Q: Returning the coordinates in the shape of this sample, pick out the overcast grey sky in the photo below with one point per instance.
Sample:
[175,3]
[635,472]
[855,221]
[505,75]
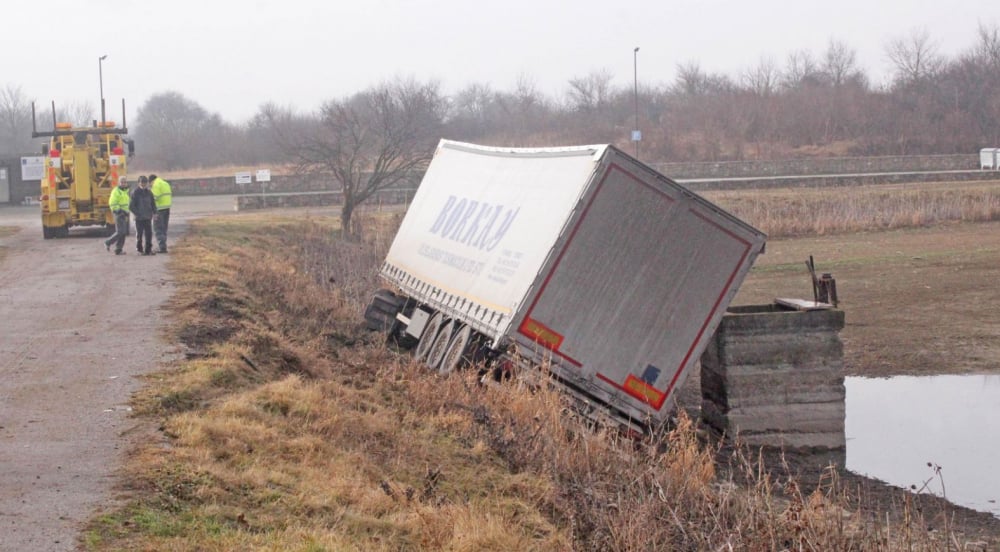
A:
[232,56]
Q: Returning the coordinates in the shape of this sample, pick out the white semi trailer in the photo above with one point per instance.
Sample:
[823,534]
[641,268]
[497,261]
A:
[579,260]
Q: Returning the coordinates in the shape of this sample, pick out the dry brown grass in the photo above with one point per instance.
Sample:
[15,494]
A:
[291,428]
[829,210]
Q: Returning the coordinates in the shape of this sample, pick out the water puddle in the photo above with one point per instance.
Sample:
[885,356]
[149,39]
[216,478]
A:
[896,426]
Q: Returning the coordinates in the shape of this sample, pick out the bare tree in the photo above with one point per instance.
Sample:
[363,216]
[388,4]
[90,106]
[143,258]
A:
[915,56]
[691,80]
[525,113]
[591,92]
[762,79]
[987,49]
[474,111]
[15,120]
[527,93]
[371,141]
[840,63]
[177,132]
[800,69]
[78,113]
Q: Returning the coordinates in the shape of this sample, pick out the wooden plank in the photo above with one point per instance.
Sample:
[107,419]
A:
[802,304]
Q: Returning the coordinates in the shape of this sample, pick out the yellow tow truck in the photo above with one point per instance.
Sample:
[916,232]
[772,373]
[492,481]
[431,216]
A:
[82,165]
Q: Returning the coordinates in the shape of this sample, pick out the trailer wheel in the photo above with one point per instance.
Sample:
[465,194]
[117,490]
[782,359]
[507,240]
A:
[381,312]
[427,338]
[457,353]
[46,232]
[440,345]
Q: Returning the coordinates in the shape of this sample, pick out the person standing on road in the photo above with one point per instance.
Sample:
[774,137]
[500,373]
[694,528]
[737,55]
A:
[143,207]
[118,202]
[163,199]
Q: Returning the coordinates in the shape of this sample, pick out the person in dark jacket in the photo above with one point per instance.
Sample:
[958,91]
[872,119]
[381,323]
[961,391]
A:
[143,207]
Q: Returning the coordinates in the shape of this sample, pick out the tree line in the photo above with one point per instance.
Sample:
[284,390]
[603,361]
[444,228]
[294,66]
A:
[810,104]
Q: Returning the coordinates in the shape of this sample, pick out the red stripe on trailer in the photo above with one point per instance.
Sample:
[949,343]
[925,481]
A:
[715,307]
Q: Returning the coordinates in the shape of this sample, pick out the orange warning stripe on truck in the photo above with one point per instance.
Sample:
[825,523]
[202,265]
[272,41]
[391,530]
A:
[643,391]
[541,333]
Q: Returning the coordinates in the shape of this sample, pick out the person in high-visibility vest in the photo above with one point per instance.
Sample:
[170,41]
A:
[118,202]
[163,199]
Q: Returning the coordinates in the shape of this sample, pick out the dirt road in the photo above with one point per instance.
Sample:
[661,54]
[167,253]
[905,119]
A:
[78,325]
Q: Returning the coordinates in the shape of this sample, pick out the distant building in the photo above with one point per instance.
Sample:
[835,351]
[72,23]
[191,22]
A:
[20,177]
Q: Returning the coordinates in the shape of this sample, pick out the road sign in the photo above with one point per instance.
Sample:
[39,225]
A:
[32,168]
[264,175]
[243,178]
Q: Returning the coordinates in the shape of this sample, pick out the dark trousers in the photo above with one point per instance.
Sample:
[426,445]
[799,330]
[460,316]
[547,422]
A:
[121,230]
[144,227]
[160,227]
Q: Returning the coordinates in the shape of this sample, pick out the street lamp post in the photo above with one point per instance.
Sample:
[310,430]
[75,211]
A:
[100,75]
[636,134]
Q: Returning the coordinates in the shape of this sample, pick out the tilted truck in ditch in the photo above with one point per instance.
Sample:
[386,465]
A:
[82,165]
[580,261]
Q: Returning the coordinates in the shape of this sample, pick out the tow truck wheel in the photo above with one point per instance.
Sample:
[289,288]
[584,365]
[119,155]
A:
[440,345]
[427,338]
[457,352]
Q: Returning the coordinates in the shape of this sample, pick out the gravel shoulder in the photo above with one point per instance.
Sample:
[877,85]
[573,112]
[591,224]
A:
[79,327]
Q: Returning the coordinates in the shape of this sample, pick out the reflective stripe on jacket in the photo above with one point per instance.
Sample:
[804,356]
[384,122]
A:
[161,193]
[119,200]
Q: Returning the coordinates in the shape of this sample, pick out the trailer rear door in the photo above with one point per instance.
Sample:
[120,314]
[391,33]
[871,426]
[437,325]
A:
[640,284]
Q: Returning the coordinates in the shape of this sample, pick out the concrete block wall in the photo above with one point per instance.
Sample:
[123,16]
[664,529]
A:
[760,183]
[258,201]
[817,166]
[247,202]
[227,185]
[775,377]
[279,184]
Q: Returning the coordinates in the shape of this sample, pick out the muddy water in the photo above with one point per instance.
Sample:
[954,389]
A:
[896,426]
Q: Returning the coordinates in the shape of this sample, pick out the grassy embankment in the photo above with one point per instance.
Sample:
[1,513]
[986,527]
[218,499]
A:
[290,428]
[786,212]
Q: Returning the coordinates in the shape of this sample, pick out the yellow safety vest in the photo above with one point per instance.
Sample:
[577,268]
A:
[119,200]
[161,193]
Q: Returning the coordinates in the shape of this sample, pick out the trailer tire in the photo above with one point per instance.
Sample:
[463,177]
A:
[46,233]
[381,312]
[440,345]
[457,354]
[427,338]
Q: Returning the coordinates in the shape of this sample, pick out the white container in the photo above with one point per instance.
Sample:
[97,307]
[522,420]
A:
[580,258]
[989,158]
